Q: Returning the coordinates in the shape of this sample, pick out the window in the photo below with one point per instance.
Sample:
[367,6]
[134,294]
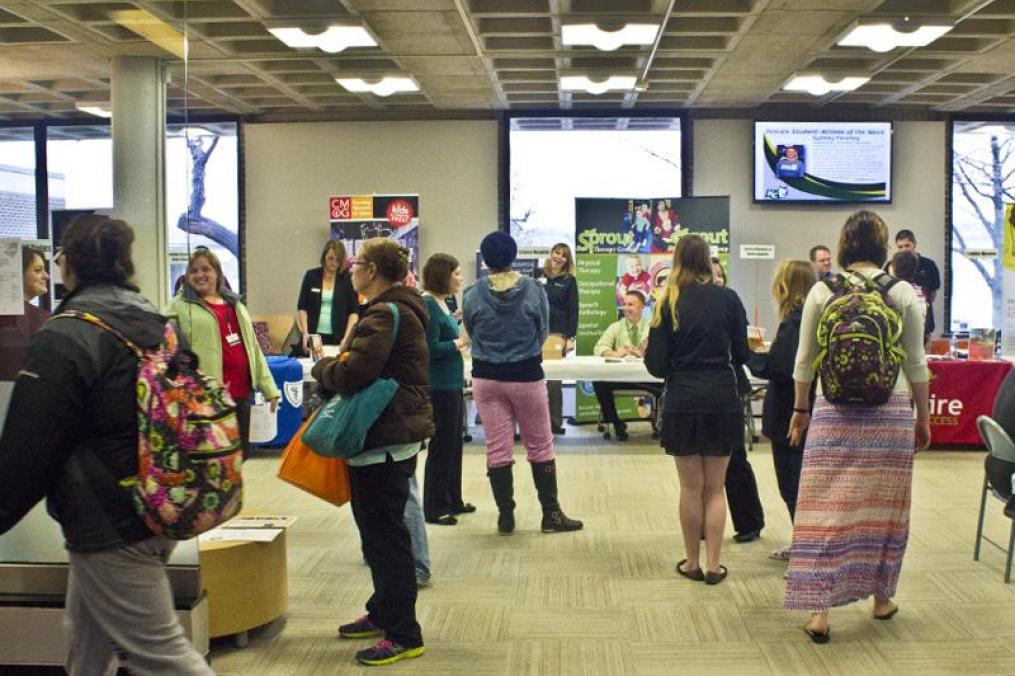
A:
[202,196]
[80,163]
[553,160]
[983,180]
[17,183]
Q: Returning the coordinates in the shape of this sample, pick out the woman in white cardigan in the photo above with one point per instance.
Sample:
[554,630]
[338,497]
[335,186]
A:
[852,518]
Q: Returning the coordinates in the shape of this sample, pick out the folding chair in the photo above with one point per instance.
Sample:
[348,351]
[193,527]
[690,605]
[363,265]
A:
[999,445]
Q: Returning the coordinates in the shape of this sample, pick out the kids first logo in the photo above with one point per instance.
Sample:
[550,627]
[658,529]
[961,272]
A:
[398,211]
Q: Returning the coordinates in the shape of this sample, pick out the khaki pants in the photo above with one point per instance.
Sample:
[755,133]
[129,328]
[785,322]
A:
[120,608]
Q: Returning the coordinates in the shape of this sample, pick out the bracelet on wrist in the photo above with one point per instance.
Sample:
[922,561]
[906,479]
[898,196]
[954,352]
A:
[802,410]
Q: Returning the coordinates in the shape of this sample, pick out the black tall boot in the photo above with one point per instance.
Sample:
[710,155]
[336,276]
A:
[502,483]
[544,475]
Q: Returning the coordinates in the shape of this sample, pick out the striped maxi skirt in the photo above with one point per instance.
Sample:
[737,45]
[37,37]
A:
[852,515]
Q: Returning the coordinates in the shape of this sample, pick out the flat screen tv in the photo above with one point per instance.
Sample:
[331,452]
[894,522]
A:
[822,162]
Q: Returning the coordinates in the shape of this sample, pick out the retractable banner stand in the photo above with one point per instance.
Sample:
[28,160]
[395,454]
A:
[357,218]
[626,245]
[1008,284]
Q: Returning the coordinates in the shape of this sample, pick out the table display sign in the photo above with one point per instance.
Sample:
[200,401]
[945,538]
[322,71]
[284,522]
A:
[12,300]
[357,218]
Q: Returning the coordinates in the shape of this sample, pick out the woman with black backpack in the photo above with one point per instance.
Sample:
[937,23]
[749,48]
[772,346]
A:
[865,330]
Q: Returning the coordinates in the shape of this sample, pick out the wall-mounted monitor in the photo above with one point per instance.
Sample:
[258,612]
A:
[822,162]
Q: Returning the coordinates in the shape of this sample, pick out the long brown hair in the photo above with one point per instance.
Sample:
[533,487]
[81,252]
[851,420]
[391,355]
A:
[792,282]
[864,238]
[692,264]
[568,268]
[338,247]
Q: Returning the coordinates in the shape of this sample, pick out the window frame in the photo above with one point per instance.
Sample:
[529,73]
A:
[40,128]
[504,146]
[949,274]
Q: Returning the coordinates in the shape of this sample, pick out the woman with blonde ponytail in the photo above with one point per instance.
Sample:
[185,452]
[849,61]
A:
[699,331]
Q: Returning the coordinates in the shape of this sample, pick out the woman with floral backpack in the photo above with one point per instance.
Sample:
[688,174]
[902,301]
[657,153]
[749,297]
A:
[71,435]
[862,332]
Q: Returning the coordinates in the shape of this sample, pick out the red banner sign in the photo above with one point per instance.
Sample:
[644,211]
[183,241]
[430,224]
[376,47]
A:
[960,392]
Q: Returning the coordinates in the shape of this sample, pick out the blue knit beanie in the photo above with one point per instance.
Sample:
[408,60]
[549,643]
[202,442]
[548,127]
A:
[498,250]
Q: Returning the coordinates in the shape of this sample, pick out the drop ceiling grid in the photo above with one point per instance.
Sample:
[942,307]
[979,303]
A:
[712,54]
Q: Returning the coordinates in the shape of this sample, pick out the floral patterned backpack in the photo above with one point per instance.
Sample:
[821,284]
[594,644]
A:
[189,456]
[859,333]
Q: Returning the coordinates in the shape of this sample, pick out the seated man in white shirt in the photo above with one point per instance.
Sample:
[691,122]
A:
[625,337]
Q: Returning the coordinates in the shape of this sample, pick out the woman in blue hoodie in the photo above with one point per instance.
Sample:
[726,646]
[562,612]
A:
[507,316]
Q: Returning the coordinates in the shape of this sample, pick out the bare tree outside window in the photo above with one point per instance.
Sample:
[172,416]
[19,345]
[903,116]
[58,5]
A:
[983,181]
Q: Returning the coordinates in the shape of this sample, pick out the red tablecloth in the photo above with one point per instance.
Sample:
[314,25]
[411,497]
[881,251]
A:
[960,391]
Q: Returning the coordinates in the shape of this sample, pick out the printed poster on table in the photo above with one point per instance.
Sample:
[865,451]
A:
[626,245]
[357,218]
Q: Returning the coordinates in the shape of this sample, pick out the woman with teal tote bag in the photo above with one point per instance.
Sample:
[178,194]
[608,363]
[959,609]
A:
[381,349]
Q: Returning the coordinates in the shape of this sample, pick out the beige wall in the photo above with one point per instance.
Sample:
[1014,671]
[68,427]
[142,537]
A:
[723,166]
[292,169]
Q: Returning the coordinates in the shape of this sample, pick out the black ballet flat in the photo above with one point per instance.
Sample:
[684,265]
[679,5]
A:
[716,577]
[466,508]
[443,520]
[698,575]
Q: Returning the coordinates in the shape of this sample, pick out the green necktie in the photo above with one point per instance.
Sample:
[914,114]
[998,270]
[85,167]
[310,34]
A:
[633,333]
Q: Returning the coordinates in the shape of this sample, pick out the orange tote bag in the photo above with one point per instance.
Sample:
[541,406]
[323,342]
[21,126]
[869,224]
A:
[325,478]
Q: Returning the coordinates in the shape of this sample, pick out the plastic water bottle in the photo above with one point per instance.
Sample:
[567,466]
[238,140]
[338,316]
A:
[953,345]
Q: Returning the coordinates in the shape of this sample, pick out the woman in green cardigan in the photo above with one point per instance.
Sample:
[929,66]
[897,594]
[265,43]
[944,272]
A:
[442,478]
[221,334]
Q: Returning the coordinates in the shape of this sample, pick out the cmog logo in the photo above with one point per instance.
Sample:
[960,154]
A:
[945,411]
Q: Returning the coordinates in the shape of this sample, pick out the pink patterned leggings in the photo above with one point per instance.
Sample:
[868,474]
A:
[501,405]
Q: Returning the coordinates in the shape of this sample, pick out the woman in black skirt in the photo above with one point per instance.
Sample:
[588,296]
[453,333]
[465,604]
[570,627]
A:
[699,330]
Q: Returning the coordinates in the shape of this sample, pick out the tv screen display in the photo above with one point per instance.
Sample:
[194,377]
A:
[822,162]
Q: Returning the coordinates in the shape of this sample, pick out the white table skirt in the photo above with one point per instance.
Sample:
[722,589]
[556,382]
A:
[572,368]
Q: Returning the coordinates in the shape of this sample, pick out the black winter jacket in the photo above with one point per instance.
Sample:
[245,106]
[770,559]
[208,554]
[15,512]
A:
[71,429]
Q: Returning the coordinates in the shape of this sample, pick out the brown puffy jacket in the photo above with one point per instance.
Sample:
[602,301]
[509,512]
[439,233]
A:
[371,355]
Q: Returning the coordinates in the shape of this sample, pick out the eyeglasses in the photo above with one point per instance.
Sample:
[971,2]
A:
[362,262]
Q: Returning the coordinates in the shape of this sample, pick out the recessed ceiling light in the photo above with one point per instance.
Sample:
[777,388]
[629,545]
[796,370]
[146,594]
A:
[332,39]
[385,87]
[93,108]
[579,83]
[886,36]
[817,85]
[582,34]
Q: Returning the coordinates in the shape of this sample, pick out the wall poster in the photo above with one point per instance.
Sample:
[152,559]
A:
[357,218]
[627,244]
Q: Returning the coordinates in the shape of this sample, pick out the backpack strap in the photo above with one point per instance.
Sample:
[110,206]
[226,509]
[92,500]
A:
[885,281]
[96,321]
[396,323]
[835,282]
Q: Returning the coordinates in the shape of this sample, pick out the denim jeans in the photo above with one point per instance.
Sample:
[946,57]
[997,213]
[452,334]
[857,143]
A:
[417,531]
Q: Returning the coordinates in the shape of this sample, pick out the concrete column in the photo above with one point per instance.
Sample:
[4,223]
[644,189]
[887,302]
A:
[139,182]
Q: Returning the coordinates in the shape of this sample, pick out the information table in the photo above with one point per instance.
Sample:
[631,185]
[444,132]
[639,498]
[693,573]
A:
[572,368]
